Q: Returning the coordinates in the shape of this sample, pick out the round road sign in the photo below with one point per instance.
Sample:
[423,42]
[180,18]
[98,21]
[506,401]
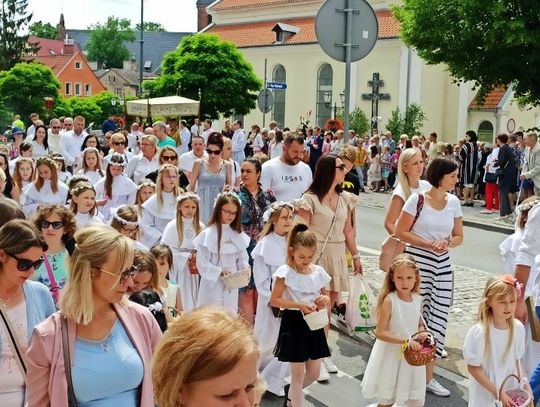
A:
[265,100]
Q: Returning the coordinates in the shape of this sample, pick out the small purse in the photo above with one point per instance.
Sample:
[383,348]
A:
[192,263]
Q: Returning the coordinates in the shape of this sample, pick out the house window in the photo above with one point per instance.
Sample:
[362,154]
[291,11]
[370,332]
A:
[88,89]
[68,88]
[486,131]
[324,83]
[78,89]
[78,65]
[112,78]
[278,110]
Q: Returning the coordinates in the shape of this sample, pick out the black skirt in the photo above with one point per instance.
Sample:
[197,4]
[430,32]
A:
[296,342]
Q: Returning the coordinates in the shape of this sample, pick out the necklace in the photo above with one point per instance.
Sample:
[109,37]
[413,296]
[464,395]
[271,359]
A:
[9,299]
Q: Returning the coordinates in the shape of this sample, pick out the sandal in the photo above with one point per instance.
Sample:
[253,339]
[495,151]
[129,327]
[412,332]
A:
[287,399]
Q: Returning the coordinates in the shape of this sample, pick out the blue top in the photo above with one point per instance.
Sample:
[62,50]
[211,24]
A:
[168,141]
[108,372]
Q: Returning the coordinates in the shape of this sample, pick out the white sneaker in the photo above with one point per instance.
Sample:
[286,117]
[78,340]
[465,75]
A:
[436,388]
[323,374]
[444,354]
[329,365]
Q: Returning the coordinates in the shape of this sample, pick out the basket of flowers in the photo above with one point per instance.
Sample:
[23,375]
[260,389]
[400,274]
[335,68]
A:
[516,390]
[426,353]
[234,281]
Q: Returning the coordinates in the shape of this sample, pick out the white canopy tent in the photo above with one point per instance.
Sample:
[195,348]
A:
[164,106]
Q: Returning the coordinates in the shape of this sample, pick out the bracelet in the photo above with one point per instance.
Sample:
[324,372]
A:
[356,256]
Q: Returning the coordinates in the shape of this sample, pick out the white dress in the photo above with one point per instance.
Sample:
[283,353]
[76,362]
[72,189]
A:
[84,219]
[188,283]
[232,257]
[31,197]
[388,377]
[93,176]
[155,217]
[124,192]
[269,253]
[494,364]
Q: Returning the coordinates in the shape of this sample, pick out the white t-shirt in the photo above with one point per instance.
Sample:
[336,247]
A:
[188,159]
[433,224]
[423,187]
[288,182]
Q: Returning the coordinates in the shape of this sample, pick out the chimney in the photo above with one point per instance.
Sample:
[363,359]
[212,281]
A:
[203,18]
[61,28]
[69,47]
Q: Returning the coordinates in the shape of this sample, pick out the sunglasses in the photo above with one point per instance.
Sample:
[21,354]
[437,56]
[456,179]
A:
[169,158]
[56,127]
[124,275]
[25,264]
[121,143]
[45,224]
[215,152]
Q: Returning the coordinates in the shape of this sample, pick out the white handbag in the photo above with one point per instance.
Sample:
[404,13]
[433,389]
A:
[317,319]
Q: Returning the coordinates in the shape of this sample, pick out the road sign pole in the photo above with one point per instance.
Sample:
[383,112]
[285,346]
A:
[348,45]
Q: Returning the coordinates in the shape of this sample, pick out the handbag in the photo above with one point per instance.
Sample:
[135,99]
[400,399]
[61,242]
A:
[192,262]
[534,322]
[72,400]
[14,343]
[492,177]
[392,246]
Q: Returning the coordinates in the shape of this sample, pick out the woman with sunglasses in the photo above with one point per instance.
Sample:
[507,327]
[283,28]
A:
[110,340]
[210,175]
[169,155]
[23,302]
[119,146]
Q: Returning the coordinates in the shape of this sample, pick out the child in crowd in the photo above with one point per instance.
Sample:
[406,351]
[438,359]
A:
[270,253]
[145,190]
[386,167]
[46,189]
[57,225]
[23,174]
[221,251]
[297,290]
[388,377]
[150,299]
[159,209]
[126,220]
[178,235]
[147,277]
[63,174]
[494,346]
[374,171]
[83,204]
[164,260]
[91,165]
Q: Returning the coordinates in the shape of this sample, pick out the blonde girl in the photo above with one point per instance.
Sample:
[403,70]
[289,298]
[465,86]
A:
[145,190]
[270,253]
[221,250]
[389,378]
[179,235]
[159,209]
[114,190]
[83,204]
[494,346]
[23,174]
[297,290]
[46,189]
[164,260]
[91,165]
[125,219]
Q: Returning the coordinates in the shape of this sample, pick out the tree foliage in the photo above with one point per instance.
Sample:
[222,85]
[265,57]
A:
[409,123]
[24,86]
[150,26]
[358,121]
[94,108]
[490,42]
[227,82]
[47,30]
[14,18]
[106,42]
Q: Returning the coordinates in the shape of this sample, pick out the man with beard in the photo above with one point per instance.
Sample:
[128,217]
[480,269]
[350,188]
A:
[287,176]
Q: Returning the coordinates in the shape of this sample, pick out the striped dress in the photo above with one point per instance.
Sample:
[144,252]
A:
[468,163]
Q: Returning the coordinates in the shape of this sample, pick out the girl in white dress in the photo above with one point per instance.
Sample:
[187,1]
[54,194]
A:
[46,189]
[270,253]
[63,175]
[178,235]
[83,204]
[91,165]
[164,260]
[114,190]
[159,209]
[125,220]
[494,346]
[221,250]
[389,378]
[23,174]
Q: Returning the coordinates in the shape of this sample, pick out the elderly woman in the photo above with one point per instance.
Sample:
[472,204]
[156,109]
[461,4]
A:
[147,160]
[23,304]
[119,146]
[207,358]
[107,341]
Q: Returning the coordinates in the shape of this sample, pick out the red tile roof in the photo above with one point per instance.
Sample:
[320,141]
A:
[232,4]
[259,34]
[49,47]
[56,63]
[493,99]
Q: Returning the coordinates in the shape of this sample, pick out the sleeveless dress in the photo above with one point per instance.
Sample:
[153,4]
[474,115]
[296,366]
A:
[210,185]
[403,384]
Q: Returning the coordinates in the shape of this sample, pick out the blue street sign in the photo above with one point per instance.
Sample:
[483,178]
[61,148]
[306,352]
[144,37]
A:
[276,85]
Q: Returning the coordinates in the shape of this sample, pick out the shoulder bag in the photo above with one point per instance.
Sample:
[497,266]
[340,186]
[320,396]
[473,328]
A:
[13,342]
[55,290]
[392,246]
[72,400]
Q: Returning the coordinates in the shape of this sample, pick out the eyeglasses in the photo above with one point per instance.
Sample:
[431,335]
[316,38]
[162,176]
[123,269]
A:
[121,143]
[45,224]
[124,275]
[342,167]
[25,264]
[169,157]
[215,152]
[226,212]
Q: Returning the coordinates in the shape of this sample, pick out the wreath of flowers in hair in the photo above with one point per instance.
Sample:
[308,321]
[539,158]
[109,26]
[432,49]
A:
[115,160]
[86,186]
[276,206]
[46,160]
[88,149]
[527,206]
[144,184]
[188,195]
[230,193]
[122,220]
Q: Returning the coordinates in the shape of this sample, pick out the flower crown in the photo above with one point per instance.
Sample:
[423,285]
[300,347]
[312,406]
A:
[146,183]
[83,186]
[89,149]
[118,160]
[156,307]
[188,195]
[276,206]
[121,220]
[46,160]
[230,193]
[527,206]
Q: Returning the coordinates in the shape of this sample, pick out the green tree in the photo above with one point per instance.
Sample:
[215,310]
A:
[358,121]
[106,42]
[13,20]
[24,86]
[85,107]
[410,123]
[227,82]
[490,42]
[150,26]
[38,29]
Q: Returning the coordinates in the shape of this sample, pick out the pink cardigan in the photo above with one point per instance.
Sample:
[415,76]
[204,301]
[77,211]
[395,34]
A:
[46,384]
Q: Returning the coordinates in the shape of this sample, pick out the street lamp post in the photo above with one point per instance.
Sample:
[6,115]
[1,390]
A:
[141,67]
[49,102]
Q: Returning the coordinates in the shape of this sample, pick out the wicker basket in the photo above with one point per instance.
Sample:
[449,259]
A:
[415,358]
[317,319]
[515,390]
[234,281]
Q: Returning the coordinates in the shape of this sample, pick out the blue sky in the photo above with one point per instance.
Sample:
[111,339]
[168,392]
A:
[174,15]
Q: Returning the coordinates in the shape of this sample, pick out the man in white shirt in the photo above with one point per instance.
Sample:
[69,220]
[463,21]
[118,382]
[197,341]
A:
[196,129]
[185,136]
[239,141]
[32,128]
[72,141]
[287,175]
[67,124]
[188,159]
[207,129]
[54,136]
[133,138]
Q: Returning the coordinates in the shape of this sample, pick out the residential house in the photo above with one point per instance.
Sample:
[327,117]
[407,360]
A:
[123,82]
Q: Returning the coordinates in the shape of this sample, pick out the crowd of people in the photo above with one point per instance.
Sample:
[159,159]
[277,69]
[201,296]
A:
[178,265]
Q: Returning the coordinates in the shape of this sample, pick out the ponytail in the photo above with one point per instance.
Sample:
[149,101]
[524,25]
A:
[300,235]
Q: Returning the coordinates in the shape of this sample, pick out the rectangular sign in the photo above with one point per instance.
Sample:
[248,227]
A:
[276,85]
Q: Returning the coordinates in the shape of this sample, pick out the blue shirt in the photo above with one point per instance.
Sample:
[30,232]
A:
[168,141]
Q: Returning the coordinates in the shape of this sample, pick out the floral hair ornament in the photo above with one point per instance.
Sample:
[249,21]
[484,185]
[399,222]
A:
[156,307]
[45,160]
[121,220]
[82,187]
[527,206]
[188,195]
[117,160]
[91,149]
[511,280]
[276,206]
[146,183]
[230,193]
